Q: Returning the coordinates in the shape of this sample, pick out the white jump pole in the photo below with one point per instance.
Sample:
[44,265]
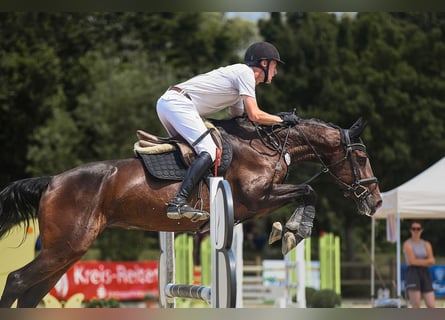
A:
[223,290]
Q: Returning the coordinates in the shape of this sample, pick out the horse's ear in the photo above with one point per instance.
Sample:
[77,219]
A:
[357,128]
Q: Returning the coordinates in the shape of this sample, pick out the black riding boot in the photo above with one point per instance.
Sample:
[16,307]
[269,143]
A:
[178,206]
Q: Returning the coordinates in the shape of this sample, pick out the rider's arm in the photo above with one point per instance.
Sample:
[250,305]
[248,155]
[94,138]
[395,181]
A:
[411,259]
[430,256]
[257,115]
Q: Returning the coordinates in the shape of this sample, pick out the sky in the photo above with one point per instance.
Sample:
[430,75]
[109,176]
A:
[253,16]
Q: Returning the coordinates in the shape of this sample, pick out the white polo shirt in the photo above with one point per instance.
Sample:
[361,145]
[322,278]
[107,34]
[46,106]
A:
[220,88]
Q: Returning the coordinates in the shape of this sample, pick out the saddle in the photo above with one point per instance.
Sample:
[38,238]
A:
[168,158]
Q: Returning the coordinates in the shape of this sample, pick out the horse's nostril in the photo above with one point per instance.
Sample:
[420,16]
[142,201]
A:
[379,204]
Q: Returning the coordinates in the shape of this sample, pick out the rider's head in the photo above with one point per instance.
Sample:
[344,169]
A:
[260,54]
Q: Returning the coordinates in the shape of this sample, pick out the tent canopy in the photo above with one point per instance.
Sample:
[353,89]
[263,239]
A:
[422,197]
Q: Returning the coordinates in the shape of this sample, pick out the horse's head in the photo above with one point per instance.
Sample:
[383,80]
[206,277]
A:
[357,176]
[342,154]
[349,164]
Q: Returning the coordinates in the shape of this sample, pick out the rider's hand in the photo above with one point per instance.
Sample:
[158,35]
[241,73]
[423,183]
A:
[289,118]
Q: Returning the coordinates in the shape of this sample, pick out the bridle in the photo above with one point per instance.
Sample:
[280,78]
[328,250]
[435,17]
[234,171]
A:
[357,188]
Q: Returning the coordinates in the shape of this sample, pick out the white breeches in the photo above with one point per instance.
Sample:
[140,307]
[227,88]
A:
[178,115]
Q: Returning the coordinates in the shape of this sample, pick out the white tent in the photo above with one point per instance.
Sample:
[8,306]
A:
[422,197]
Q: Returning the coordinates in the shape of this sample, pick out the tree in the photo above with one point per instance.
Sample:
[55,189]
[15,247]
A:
[122,101]
[29,86]
[47,63]
[55,145]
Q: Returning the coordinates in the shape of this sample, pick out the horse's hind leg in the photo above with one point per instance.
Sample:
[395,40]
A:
[60,249]
[10,293]
[19,281]
[34,274]
[35,294]
[30,284]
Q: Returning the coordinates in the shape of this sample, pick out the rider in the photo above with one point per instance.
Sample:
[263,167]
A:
[180,109]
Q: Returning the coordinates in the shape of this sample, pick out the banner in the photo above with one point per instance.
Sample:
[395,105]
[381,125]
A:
[105,280]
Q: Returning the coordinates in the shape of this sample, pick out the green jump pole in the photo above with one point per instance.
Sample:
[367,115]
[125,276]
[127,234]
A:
[307,258]
[337,265]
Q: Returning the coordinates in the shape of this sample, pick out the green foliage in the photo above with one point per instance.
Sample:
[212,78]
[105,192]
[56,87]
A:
[55,146]
[102,303]
[120,245]
[75,87]
[29,85]
[122,101]
[103,72]
[309,293]
[324,298]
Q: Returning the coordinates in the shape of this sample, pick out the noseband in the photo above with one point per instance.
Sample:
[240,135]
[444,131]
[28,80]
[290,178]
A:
[357,188]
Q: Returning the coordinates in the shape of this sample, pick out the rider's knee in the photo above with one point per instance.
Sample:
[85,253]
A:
[210,149]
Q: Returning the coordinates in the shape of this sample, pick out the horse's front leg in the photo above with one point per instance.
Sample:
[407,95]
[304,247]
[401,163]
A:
[282,194]
[299,226]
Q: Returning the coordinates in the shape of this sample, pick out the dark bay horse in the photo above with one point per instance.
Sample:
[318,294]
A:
[75,206]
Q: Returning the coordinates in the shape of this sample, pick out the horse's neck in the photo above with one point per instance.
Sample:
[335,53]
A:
[318,138]
[239,127]
[323,138]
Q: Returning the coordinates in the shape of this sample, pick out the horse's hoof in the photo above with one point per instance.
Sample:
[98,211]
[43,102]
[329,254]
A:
[294,221]
[307,222]
[276,233]
[289,242]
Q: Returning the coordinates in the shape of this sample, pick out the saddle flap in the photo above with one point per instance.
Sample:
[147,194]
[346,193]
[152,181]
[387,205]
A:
[145,136]
[187,153]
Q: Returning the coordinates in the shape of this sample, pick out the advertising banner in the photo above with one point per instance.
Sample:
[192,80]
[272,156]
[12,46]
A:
[105,280]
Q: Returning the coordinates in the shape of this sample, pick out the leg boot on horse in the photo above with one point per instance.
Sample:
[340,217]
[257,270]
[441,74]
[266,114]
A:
[178,206]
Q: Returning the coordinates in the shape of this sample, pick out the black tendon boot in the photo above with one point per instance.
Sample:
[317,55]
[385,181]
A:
[178,206]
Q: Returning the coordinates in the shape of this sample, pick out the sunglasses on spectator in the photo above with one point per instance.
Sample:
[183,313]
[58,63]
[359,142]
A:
[416,228]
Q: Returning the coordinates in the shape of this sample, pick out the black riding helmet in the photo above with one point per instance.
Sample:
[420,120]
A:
[261,51]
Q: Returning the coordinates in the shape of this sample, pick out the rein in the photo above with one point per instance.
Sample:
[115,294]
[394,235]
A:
[273,144]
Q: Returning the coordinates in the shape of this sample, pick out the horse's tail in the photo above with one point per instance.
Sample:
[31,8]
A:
[19,201]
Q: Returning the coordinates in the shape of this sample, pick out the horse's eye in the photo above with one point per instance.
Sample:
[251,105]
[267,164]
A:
[362,161]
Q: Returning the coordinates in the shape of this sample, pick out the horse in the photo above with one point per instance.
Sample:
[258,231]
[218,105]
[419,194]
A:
[75,206]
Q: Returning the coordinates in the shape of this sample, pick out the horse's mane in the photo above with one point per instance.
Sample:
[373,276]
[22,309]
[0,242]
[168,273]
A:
[238,126]
[241,126]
